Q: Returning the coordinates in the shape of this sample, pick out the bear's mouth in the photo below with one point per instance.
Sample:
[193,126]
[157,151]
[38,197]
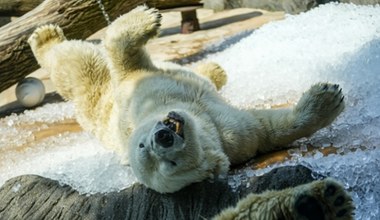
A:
[175,123]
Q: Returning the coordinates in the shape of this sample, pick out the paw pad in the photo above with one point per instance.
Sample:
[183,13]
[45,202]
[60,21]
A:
[330,190]
[338,201]
[45,34]
[132,30]
[319,106]
[309,207]
[324,200]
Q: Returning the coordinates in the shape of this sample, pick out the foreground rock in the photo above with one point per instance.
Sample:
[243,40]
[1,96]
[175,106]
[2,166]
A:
[34,197]
[289,6]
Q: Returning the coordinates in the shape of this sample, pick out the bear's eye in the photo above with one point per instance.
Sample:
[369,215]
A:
[141,145]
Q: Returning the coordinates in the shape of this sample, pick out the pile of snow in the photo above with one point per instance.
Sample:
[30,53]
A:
[76,159]
[339,43]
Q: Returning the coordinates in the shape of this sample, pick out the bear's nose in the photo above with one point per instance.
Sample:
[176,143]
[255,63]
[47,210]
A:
[164,138]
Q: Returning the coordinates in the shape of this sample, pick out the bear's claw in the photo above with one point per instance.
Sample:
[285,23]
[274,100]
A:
[45,35]
[319,106]
[135,27]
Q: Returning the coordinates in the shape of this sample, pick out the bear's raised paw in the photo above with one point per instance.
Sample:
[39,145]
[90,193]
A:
[323,200]
[135,27]
[45,35]
[319,106]
[319,200]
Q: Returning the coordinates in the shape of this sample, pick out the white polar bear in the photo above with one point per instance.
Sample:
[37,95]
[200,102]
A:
[171,125]
[168,123]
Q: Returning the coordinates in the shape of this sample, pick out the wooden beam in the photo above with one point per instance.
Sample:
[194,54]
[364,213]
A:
[17,7]
[21,7]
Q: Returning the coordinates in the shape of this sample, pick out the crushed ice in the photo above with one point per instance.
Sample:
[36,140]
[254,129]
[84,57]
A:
[76,158]
[339,43]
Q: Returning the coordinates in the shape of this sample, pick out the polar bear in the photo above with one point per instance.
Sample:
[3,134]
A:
[171,125]
[167,122]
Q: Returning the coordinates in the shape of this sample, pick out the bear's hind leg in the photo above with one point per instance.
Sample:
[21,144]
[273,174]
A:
[77,68]
[319,200]
[317,108]
[214,72]
[126,37]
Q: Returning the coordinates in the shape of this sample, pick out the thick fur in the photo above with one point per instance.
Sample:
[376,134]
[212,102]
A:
[319,200]
[121,96]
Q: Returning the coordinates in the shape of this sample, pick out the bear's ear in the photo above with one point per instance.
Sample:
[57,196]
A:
[217,163]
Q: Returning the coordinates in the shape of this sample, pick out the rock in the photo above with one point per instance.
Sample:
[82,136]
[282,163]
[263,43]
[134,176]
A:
[280,178]
[289,6]
[298,6]
[34,197]
[361,2]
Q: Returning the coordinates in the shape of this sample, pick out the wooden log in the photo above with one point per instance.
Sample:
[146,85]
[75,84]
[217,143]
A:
[167,4]
[189,22]
[75,17]
[290,6]
[21,7]
[34,197]
[78,19]
[17,7]
[4,20]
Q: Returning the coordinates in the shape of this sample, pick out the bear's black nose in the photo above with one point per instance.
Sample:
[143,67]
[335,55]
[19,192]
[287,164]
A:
[164,137]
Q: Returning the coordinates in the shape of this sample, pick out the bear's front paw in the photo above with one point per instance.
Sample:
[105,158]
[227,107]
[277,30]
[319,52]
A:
[323,200]
[319,106]
[135,27]
[44,35]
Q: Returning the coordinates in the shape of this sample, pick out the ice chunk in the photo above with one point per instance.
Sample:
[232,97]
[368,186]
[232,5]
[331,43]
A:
[96,173]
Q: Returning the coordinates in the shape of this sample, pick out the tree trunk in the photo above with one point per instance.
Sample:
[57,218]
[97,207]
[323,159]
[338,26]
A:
[4,20]
[78,19]
[33,197]
[21,7]
[290,6]
[167,4]
[17,7]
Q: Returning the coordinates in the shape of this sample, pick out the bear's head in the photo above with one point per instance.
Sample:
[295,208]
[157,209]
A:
[169,154]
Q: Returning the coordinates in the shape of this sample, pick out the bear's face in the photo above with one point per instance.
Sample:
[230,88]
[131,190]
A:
[168,154]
